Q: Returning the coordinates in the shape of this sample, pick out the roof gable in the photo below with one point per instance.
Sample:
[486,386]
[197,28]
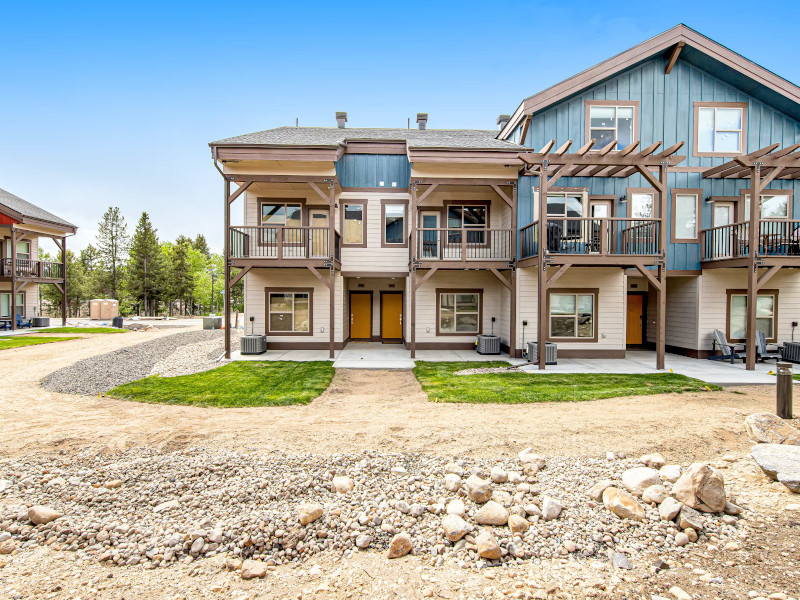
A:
[697,49]
[23,211]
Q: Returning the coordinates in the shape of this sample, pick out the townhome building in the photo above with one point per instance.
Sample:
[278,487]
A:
[610,211]
[22,225]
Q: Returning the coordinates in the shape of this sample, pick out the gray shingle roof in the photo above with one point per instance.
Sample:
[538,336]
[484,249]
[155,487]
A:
[467,139]
[26,209]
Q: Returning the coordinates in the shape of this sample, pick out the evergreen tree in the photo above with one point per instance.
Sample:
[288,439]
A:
[145,271]
[76,285]
[92,272]
[112,246]
[201,245]
[181,271]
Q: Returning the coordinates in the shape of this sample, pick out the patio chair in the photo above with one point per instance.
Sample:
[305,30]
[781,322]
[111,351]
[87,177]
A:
[762,350]
[729,351]
[5,325]
[22,323]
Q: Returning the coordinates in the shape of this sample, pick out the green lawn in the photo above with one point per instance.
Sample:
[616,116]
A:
[20,341]
[441,385]
[81,330]
[235,384]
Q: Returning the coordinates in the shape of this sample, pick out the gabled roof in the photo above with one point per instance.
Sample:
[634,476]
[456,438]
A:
[25,212]
[459,139]
[697,49]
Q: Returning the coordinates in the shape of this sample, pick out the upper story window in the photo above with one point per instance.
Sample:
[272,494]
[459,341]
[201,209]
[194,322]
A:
[394,223]
[609,120]
[641,203]
[566,205]
[719,128]
[467,216]
[775,204]
[281,214]
[354,218]
[685,215]
[23,250]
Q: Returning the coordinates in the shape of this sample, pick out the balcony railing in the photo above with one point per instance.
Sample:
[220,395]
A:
[591,235]
[34,269]
[467,244]
[776,237]
[279,243]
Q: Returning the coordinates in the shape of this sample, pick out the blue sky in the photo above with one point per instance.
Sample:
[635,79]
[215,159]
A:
[115,103]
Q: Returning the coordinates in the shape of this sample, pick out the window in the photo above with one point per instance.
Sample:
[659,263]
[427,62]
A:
[459,312]
[685,215]
[394,223]
[471,216]
[289,312]
[766,314]
[572,315]
[719,128]
[23,250]
[354,216]
[773,206]
[607,121]
[279,213]
[566,205]
[5,305]
[641,203]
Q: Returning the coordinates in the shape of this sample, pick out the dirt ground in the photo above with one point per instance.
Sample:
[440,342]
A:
[387,410]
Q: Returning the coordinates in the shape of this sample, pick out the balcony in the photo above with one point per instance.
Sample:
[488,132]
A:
[32,269]
[303,245]
[778,240]
[593,240]
[463,246]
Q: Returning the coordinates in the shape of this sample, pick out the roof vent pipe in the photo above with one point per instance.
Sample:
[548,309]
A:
[422,120]
[341,119]
[502,121]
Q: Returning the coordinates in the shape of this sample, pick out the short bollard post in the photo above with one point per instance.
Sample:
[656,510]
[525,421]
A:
[785,382]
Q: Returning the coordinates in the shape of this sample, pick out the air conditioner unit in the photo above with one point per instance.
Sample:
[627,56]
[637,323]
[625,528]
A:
[254,344]
[791,352]
[488,344]
[550,349]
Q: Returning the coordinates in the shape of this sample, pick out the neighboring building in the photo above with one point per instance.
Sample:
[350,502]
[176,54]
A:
[429,237]
[21,272]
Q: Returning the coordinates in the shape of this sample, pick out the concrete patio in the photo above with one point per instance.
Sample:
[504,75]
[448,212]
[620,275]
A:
[374,355]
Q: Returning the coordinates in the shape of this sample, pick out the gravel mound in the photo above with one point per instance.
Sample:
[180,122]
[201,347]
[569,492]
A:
[155,508]
[103,372]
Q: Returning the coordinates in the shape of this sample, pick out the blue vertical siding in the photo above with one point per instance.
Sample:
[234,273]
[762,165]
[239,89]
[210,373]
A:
[368,170]
[666,113]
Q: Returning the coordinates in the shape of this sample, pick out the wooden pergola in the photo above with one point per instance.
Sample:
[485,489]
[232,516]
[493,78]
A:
[550,165]
[761,167]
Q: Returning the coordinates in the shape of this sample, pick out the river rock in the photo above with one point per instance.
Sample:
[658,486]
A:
[518,524]
[702,487]
[452,482]
[620,561]
[454,527]
[456,507]
[638,479]
[399,546]
[654,461]
[341,484]
[165,506]
[491,513]
[498,475]
[669,508]
[689,518]
[488,546]
[655,494]
[670,473]
[253,569]
[526,456]
[7,546]
[551,509]
[309,512]
[39,515]
[681,539]
[623,504]
[771,429]
[479,490]
[452,468]
[780,462]
[363,541]
[596,491]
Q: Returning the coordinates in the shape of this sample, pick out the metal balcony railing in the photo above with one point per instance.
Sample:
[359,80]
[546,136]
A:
[607,236]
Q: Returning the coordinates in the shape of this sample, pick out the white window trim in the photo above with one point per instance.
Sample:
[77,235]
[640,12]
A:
[741,106]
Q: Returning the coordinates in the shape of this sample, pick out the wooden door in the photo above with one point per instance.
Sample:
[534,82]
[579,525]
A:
[319,238]
[634,330]
[360,315]
[598,234]
[392,317]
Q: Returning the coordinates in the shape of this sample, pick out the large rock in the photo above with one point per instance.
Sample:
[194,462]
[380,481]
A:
[309,512]
[551,509]
[638,479]
[669,508]
[780,462]
[399,546]
[498,474]
[771,429]
[491,513]
[456,507]
[488,546]
[655,494]
[688,518]
[623,504]
[479,490]
[452,482]
[454,527]
[253,569]
[701,487]
[518,524]
[39,515]
[670,473]
[596,491]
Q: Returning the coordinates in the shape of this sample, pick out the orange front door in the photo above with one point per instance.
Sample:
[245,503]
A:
[392,317]
[634,330]
[360,316]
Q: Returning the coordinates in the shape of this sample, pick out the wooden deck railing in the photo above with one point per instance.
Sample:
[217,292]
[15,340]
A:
[33,269]
[776,237]
[590,235]
[279,243]
[467,244]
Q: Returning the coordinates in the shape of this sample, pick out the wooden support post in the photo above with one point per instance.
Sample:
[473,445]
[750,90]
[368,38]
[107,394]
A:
[331,253]
[541,328]
[752,270]
[512,340]
[412,258]
[227,257]
[64,286]
[13,314]
[661,296]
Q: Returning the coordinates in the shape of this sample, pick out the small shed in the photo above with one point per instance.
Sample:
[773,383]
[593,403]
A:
[103,309]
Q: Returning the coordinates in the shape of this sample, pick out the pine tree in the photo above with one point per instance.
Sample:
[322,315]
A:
[181,270]
[112,247]
[201,245]
[145,277]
